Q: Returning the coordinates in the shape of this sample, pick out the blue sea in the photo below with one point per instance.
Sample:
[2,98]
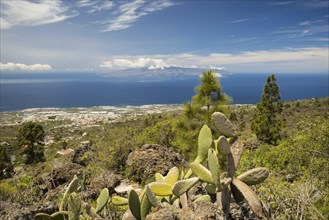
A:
[62,90]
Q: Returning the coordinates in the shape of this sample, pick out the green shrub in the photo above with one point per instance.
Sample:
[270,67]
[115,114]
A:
[302,159]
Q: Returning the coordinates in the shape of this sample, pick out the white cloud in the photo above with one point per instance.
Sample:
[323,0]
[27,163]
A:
[27,13]
[141,62]
[288,60]
[281,3]
[123,14]
[239,20]
[307,23]
[95,5]
[86,3]
[129,13]
[309,28]
[23,67]
[104,6]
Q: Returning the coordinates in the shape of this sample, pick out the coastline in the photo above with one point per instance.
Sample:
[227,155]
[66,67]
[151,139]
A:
[83,116]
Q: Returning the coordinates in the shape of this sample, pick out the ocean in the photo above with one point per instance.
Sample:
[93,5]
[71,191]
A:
[63,90]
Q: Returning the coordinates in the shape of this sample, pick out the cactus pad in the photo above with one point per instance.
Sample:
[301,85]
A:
[74,206]
[134,204]
[237,195]
[250,196]
[102,200]
[183,186]
[119,201]
[145,206]
[223,200]
[172,176]
[159,177]
[213,165]
[204,143]
[152,198]
[223,146]
[254,176]
[223,125]
[233,159]
[161,189]
[202,198]
[200,171]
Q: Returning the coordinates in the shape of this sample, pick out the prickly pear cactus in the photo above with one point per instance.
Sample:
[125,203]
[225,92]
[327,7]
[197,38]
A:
[219,184]
[173,188]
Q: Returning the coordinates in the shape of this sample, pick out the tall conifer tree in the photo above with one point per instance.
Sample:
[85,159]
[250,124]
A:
[267,123]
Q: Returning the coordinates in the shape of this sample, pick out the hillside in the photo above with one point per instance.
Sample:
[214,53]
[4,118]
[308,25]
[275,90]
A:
[108,154]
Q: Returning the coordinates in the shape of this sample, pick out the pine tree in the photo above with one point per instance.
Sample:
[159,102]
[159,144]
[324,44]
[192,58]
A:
[209,97]
[31,135]
[267,124]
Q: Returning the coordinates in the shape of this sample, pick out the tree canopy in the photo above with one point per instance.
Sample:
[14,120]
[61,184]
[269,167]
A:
[209,97]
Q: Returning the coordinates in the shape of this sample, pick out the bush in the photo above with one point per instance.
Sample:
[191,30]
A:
[301,200]
[303,160]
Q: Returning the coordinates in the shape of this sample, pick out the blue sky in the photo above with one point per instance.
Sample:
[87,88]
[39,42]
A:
[109,36]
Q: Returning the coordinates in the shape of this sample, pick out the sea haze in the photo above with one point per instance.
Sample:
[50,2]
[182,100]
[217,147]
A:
[22,91]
